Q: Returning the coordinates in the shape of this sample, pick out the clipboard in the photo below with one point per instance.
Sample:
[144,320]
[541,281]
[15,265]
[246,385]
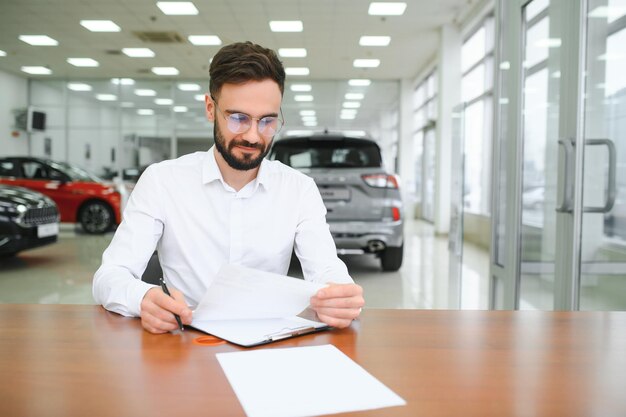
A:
[255,332]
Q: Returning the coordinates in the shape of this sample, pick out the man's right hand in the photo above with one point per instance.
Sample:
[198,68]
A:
[158,309]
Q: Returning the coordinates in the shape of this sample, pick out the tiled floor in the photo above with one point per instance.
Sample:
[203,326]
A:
[62,273]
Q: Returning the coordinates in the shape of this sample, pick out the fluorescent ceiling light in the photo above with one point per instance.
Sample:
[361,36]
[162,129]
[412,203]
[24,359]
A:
[189,87]
[307,112]
[292,52]
[548,43]
[310,124]
[615,56]
[79,87]
[123,81]
[164,101]
[303,97]
[38,40]
[354,133]
[386,9]
[301,88]
[106,97]
[374,40]
[145,112]
[138,52]
[297,71]
[347,116]
[165,71]
[36,70]
[2,53]
[608,12]
[354,96]
[177,8]
[127,104]
[351,104]
[204,40]
[199,97]
[145,92]
[180,109]
[309,119]
[100,25]
[366,63]
[83,62]
[354,111]
[359,82]
[505,65]
[286,26]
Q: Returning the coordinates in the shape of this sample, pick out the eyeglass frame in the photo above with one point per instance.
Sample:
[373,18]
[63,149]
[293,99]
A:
[280,118]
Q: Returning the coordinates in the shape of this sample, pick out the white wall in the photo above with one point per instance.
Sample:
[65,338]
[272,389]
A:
[14,96]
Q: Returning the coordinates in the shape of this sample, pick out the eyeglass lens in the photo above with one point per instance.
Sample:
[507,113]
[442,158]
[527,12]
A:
[240,123]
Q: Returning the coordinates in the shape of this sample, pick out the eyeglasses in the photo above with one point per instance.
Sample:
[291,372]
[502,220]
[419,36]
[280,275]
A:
[241,122]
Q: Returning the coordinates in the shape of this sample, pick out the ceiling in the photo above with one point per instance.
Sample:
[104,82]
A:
[332,29]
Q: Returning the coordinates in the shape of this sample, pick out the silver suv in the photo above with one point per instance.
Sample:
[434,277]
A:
[362,199]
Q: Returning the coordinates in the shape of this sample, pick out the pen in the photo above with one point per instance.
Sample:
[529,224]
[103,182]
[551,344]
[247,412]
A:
[176,316]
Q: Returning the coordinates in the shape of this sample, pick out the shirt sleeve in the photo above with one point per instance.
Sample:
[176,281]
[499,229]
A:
[314,244]
[117,284]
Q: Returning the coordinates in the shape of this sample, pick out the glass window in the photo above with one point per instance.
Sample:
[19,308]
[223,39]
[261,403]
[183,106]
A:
[474,134]
[6,169]
[616,66]
[537,45]
[473,84]
[473,50]
[535,7]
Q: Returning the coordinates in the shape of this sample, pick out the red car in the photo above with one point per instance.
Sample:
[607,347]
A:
[80,196]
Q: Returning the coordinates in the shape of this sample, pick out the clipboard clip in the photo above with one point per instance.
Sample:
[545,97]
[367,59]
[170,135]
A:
[287,333]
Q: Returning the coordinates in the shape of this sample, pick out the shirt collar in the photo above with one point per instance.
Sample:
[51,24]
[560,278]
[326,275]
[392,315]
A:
[211,172]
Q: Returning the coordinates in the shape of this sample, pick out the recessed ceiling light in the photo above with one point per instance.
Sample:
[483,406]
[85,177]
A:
[138,52]
[351,104]
[106,97]
[292,52]
[386,9]
[307,112]
[123,81]
[548,43]
[165,71]
[310,124]
[303,97]
[164,101]
[38,40]
[354,96]
[145,92]
[189,87]
[177,8]
[145,112]
[199,97]
[300,87]
[297,71]
[359,82]
[100,25]
[37,70]
[204,40]
[309,119]
[180,109]
[2,53]
[374,40]
[79,87]
[366,63]
[286,26]
[83,62]
[347,116]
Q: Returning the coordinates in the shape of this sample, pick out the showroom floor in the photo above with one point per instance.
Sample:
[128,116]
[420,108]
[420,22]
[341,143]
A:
[62,273]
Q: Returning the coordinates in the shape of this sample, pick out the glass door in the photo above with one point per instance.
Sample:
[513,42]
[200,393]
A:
[538,192]
[603,232]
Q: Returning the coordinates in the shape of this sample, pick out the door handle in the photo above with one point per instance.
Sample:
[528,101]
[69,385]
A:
[612,190]
[566,205]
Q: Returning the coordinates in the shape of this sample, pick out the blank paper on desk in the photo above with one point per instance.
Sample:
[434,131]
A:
[303,381]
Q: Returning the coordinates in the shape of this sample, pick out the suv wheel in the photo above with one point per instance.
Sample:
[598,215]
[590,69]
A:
[96,217]
[391,258]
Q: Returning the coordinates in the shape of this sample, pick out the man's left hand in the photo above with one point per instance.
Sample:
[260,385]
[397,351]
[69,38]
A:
[338,304]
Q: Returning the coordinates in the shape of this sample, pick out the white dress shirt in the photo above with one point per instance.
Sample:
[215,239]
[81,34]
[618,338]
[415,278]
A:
[197,222]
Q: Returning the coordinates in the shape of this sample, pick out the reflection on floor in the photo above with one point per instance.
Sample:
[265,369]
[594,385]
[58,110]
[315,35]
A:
[62,273]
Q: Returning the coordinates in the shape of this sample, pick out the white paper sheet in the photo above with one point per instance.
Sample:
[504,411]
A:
[245,293]
[303,382]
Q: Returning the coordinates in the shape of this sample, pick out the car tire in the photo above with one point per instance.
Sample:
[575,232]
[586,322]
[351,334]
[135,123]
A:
[391,258]
[96,217]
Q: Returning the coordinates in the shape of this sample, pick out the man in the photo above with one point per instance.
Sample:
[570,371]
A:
[227,205]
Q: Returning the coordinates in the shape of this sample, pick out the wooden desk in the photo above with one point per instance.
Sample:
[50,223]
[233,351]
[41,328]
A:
[67,360]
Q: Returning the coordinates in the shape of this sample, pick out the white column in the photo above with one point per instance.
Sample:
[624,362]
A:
[449,88]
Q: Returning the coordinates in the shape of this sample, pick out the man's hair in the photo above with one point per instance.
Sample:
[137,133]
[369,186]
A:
[241,62]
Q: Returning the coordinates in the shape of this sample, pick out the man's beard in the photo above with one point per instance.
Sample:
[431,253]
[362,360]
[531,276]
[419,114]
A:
[247,162]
